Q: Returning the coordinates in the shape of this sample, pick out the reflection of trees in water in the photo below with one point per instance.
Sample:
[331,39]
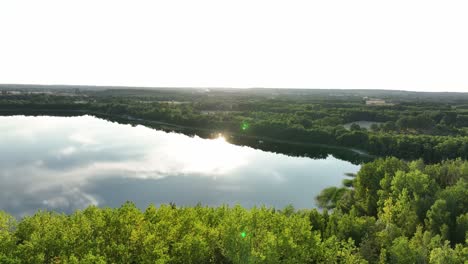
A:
[311,151]
[314,151]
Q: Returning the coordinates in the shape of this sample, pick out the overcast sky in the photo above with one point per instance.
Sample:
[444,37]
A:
[409,45]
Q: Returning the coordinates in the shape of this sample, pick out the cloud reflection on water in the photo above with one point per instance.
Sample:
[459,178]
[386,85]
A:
[68,163]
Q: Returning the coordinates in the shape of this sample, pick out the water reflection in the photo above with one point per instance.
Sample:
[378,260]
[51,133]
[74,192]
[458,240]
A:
[65,163]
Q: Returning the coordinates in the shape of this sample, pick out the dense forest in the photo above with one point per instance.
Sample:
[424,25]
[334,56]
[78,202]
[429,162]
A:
[407,204]
[392,211]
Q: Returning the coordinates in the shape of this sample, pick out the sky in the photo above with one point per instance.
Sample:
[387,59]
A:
[403,45]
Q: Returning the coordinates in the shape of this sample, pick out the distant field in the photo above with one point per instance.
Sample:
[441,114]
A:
[362,124]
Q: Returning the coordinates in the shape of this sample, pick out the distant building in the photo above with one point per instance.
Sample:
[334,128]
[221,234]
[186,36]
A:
[377,102]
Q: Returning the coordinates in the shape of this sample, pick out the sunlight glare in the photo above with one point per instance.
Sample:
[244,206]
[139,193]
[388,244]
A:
[216,156]
[221,138]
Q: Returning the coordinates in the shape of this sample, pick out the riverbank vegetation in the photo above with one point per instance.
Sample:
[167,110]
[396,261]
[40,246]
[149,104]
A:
[392,212]
[410,126]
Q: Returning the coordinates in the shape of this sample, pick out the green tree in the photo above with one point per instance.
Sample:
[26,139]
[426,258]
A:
[7,240]
[402,252]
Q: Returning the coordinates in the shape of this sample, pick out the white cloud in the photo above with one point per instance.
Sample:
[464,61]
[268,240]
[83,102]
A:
[416,45]
[66,151]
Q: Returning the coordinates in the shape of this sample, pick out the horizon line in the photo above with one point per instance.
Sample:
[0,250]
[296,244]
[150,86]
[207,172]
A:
[224,87]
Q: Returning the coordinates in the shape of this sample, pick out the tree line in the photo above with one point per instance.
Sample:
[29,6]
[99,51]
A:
[408,130]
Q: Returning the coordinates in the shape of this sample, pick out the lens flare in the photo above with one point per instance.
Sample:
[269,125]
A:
[245,126]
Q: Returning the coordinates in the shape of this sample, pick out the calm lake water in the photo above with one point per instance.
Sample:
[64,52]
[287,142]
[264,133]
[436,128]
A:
[67,163]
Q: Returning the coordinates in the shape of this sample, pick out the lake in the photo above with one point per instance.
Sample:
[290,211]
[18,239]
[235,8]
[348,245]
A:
[68,163]
[363,124]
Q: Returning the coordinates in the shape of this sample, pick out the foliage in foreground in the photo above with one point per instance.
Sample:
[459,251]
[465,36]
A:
[168,235]
[391,212]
